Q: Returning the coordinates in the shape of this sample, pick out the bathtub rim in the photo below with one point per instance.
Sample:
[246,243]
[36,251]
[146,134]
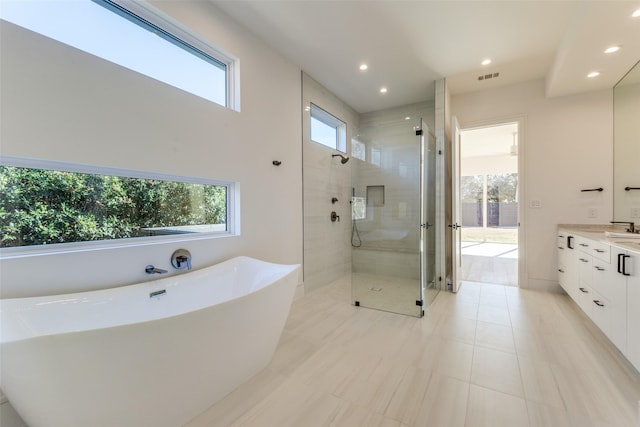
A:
[25,332]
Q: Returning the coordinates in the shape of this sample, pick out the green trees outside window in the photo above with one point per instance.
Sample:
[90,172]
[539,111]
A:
[39,207]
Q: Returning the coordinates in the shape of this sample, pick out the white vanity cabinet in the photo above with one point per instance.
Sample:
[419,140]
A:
[628,270]
[563,255]
[604,280]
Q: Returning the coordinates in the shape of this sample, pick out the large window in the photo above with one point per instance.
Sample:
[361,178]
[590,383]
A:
[42,206]
[327,129]
[133,35]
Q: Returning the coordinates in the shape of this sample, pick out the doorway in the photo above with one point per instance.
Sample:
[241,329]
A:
[489,183]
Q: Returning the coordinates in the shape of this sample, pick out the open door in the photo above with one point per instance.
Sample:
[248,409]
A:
[456,209]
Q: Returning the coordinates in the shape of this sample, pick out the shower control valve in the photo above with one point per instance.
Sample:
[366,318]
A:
[335,217]
[181,259]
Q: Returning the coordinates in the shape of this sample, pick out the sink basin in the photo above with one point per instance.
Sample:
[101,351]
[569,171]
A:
[621,235]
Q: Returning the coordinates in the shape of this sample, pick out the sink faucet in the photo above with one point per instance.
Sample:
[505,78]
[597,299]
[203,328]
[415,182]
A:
[631,228]
[150,269]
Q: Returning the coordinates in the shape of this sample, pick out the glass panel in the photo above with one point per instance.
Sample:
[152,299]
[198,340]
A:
[471,195]
[502,207]
[327,129]
[323,134]
[114,34]
[42,207]
[386,237]
[431,287]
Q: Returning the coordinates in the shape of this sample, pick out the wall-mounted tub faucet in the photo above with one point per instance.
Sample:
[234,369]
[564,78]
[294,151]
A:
[150,269]
[181,259]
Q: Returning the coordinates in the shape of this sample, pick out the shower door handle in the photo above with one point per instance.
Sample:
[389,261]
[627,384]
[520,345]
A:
[425,226]
[454,226]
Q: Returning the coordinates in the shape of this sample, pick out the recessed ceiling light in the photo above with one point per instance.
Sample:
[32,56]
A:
[407,118]
[383,90]
[486,61]
[363,67]
[593,74]
[636,14]
[612,49]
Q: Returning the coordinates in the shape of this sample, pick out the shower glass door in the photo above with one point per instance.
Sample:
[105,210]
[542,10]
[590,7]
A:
[430,285]
[388,213]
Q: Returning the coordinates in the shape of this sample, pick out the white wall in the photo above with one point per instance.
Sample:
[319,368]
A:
[567,146]
[62,104]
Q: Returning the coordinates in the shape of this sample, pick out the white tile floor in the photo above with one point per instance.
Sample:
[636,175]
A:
[490,263]
[488,356]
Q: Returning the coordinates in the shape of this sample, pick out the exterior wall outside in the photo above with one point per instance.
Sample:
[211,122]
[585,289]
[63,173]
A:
[568,146]
[62,104]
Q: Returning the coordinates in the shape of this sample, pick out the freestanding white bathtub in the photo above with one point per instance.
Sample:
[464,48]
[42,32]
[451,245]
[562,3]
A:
[152,354]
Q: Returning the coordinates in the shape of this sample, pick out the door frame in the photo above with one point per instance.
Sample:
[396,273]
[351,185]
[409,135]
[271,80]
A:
[522,188]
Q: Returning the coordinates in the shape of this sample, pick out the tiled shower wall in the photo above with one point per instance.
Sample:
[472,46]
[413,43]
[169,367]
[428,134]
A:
[327,248]
[390,234]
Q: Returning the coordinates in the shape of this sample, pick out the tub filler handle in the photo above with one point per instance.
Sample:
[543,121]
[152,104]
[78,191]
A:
[181,259]
[150,269]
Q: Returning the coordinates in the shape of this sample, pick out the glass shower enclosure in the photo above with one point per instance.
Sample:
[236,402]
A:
[393,213]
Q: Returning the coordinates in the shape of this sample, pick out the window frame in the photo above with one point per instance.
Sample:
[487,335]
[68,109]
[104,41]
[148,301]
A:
[325,117]
[149,18]
[232,213]
[151,14]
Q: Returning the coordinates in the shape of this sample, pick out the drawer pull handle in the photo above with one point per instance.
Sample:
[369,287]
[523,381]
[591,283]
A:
[561,270]
[583,290]
[599,268]
[598,303]
[600,251]
[584,260]
[560,247]
[584,245]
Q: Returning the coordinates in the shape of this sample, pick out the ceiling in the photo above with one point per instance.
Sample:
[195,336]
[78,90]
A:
[494,141]
[410,44]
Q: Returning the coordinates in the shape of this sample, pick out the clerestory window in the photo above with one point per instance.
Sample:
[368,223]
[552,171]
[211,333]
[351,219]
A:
[136,36]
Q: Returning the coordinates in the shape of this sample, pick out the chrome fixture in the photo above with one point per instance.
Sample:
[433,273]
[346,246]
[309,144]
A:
[344,159]
[181,259]
[631,228]
[335,217]
[150,269]
[334,200]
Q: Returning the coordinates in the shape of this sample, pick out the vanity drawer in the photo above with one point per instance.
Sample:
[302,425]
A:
[601,251]
[584,244]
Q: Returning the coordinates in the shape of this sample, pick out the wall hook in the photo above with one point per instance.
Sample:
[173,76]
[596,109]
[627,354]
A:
[334,200]
[276,163]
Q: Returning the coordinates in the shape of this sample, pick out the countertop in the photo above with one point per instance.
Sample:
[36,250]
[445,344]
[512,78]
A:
[597,232]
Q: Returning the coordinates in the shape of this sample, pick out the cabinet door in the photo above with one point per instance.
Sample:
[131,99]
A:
[563,254]
[632,267]
[601,312]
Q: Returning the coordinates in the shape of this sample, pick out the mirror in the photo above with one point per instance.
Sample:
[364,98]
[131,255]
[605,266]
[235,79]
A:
[626,147]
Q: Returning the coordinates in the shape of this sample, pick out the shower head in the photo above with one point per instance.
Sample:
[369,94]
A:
[344,159]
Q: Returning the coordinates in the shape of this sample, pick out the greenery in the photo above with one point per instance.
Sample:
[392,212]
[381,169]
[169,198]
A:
[500,188]
[40,207]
